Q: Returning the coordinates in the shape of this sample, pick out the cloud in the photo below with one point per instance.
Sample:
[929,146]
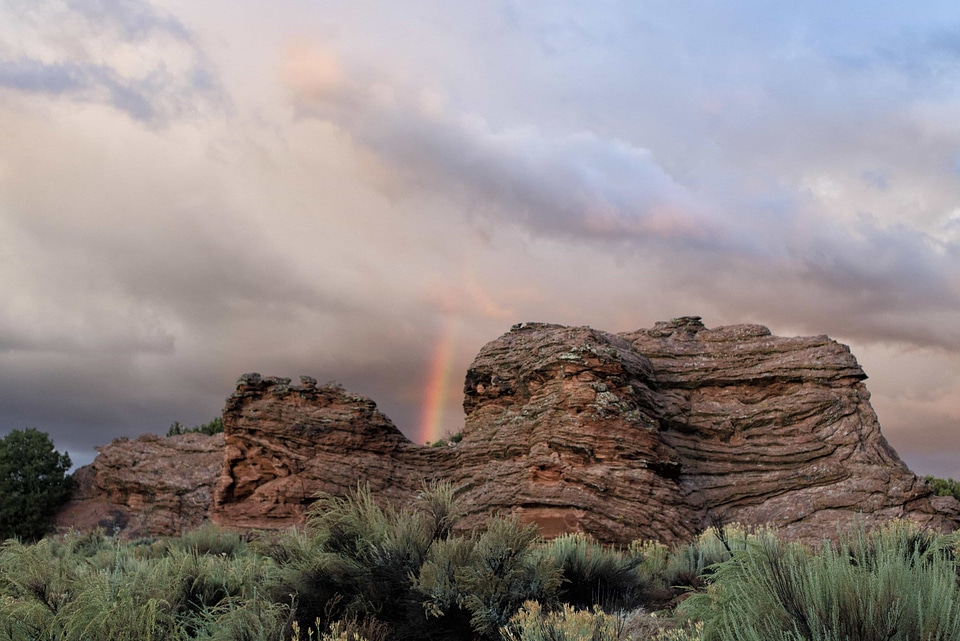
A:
[584,187]
[134,19]
[125,54]
[89,83]
[574,185]
[188,193]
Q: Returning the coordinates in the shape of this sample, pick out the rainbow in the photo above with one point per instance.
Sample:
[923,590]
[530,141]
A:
[438,385]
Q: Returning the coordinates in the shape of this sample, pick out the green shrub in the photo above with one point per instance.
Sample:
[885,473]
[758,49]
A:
[594,574]
[944,487]
[359,560]
[446,442]
[366,572]
[81,587]
[439,587]
[33,483]
[35,583]
[882,586]
[688,566]
[215,426]
[531,623]
[567,623]
[488,576]
[210,540]
[689,631]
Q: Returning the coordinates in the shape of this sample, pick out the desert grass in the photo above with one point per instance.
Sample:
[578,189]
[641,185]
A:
[361,571]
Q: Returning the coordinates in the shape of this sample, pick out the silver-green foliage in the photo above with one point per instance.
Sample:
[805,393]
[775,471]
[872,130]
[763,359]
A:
[689,566]
[82,587]
[359,559]
[487,578]
[506,571]
[898,583]
[595,574]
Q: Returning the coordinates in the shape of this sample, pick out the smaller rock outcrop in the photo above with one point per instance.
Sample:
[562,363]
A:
[285,443]
[147,486]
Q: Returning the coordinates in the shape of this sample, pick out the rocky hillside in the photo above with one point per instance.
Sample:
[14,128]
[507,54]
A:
[655,433]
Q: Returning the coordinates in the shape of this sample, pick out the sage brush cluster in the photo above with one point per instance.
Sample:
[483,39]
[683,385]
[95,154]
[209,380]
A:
[897,583]
[364,571]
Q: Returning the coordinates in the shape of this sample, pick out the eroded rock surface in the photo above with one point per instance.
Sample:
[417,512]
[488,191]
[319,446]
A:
[655,433]
[285,443]
[778,430]
[563,428]
[146,486]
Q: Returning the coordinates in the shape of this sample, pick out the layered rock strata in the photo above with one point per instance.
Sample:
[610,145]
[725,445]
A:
[146,486]
[778,430]
[563,428]
[656,433]
[286,443]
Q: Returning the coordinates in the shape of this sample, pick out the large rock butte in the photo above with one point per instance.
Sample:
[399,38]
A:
[656,433]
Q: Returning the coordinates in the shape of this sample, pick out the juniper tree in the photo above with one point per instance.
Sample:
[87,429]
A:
[33,483]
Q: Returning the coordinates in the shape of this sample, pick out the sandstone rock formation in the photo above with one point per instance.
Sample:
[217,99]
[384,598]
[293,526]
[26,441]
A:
[285,443]
[146,486]
[655,433]
[563,428]
[778,430]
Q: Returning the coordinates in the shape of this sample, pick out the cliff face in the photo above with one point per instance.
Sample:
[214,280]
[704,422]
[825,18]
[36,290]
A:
[659,432]
[563,427]
[146,486]
[285,443]
[653,434]
[778,430]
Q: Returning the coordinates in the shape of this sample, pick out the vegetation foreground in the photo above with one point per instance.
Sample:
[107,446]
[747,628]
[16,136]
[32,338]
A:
[361,571]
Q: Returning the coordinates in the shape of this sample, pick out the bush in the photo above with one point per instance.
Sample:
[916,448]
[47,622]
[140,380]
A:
[209,539]
[213,427]
[594,574]
[885,586]
[33,483]
[359,559]
[452,440]
[77,587]
[566,624]
[689,566]
[944,487]
[488,577]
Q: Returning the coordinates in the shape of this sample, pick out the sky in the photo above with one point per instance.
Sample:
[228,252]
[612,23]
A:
[368,191]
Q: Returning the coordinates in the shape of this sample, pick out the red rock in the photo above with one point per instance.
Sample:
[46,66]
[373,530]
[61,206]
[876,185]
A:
[147,486]
[779,430]
[285,443]
[655,433]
